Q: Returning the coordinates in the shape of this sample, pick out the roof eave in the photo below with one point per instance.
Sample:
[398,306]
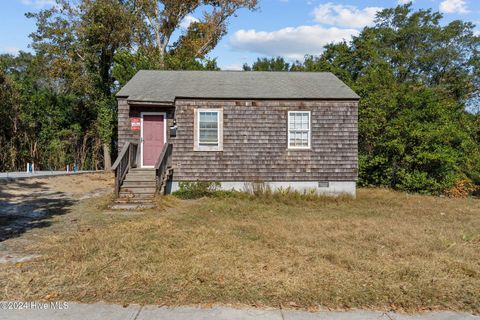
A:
[270,98]
[150,102]
[170,103]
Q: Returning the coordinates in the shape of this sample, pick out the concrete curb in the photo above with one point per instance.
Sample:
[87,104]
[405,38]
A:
[10,176]
[101,311]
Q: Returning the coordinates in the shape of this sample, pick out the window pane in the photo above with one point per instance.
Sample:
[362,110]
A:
[295,139]
[208,127]
[299,121]
[296,122]
[305,139]
[291,121]
[208,134]
[299,129]
[208,116]
[305,121]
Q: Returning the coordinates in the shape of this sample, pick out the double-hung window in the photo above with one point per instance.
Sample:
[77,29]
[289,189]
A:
[208,129]
[299,129]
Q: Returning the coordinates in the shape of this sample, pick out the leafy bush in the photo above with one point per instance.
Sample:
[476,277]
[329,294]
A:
[197,189]
[418,82]
[461,189]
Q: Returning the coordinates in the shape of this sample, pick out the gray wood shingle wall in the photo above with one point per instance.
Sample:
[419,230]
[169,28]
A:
[123,118]
[255,142]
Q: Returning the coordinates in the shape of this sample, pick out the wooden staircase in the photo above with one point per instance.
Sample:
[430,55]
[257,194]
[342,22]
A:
[139,184]
[136,188]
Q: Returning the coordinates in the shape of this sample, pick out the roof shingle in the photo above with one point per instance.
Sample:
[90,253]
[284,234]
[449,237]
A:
[166,86]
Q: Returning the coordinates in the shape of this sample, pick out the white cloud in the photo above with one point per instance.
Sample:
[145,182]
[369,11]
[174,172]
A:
[404,1]
[292,42]
[232,67]
[453,6]
[344,15]
[11,50]
[39,3]
[189,19]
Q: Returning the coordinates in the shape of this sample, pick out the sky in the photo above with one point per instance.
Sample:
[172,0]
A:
[289,28]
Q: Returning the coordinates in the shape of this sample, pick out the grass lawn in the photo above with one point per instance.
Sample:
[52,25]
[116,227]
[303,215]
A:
[385,250]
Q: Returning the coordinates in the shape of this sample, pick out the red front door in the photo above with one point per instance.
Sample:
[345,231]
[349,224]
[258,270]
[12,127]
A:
[153,138]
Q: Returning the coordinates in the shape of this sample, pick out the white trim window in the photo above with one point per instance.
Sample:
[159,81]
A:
[299,129]
[208,130]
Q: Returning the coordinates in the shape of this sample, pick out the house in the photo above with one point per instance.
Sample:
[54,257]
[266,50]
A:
[284,129]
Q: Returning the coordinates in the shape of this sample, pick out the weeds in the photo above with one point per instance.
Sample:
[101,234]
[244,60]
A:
[196,189]
[262,191]
[255,191]
[384,250]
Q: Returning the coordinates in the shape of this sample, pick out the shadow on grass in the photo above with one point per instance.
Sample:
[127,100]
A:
[25,206]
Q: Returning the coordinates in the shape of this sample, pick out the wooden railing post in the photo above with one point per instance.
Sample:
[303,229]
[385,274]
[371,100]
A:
[123,163]
[163,164]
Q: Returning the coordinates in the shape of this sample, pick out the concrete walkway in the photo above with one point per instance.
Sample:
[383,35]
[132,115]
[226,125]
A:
[39,174]
[75,311]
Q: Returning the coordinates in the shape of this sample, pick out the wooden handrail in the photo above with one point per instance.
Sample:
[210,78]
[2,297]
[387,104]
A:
[162,155]
[163,164]
[120,155]
[126,159]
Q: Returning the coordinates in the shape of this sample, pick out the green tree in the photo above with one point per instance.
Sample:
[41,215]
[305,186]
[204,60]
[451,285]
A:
[85,44]
[153,40]
[268,64]
[9,127]
[164,17]
[37,113]
[415,78]
[78,42]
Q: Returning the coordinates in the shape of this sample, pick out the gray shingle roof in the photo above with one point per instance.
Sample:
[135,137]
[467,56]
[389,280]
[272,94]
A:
[166,86]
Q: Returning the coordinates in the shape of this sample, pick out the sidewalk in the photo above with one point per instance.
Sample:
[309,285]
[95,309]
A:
[99,311]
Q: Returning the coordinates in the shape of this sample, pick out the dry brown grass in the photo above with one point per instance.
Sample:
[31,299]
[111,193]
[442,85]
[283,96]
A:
[384,250]
[74,185]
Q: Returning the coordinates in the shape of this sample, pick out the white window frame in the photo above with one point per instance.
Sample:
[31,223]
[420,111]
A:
[219,145]
[309,135]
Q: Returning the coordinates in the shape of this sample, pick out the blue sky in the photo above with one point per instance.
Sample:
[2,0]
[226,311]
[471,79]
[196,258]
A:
[290,28]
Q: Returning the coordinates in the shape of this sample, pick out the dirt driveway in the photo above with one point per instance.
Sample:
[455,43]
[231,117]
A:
[29,204]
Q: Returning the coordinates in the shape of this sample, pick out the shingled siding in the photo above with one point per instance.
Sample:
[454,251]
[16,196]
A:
[255,142]
[123,119]
[126,112]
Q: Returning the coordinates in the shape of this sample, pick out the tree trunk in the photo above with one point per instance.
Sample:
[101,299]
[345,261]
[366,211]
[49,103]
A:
[107,160]
[83,151]
[161,45]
